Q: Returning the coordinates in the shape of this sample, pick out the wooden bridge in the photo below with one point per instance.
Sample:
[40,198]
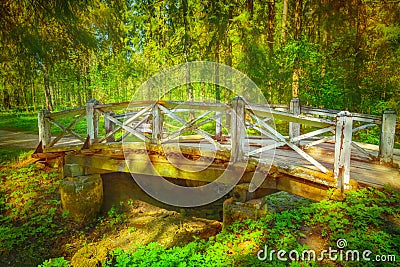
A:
[298,149]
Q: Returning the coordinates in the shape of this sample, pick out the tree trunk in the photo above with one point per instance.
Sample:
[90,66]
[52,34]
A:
[6,96]
[186,47]
[296,35]
[284,21]
[359,53]
[271,26]
[47,91]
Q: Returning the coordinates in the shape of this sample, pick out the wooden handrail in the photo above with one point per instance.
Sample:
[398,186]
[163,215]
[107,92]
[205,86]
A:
[153,112]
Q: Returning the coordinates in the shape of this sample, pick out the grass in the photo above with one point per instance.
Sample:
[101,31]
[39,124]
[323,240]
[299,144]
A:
[368,219]
[34,229]
[8,155]
[19,121]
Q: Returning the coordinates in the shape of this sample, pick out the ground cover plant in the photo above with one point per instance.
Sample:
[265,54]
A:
[368,220]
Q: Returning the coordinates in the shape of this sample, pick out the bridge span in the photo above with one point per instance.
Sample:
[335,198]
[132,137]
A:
[299,149]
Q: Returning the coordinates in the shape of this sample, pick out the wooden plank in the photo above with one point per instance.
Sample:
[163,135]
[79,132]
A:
[313,133]
[128,128]
[278,115]
[188,126]
[124,105]
[138,114]
[317,142]
[144,119]
[344,125]
[294,147]
[367,154]
[333,113]
[265,148]
[62,148]
[109,127]
[195,105]
[362,127]
[66,113]
[66,129]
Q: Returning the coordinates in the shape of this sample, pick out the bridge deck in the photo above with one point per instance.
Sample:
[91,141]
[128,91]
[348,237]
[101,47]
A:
[289,171]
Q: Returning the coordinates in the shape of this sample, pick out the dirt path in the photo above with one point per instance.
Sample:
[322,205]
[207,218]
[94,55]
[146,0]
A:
[18,139]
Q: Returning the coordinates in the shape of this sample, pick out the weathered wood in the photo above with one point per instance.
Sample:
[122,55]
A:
[109,126]
[311,134]
[144,119]
[279,115]
[370,156]
[333,112]
[238,130]
[157,125]
[124,105]
[127,128]
[44,128]
[92,120]
[386,144]
[138,114]
[294,128]
[195,105]
[281,138]
[218,127]
[187,126]
[66,113]
[265,148]
[343,136]
[66,130]
[362,127]
[317,142]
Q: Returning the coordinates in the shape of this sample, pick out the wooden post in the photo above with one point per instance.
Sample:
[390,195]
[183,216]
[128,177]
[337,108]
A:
[388,130]
[238,129]
[92,120]
[218,128]
[157,125]
[343,136]
[44,128]
[227,120]
[294,128]
[109,126]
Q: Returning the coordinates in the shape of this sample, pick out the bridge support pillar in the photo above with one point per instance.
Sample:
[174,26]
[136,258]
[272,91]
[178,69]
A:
[386,144]
[245,205]
[81,193]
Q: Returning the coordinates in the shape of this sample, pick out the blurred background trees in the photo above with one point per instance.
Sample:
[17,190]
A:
[334,54]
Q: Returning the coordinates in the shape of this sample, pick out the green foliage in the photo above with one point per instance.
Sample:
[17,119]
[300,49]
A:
[8,155]
[27,219]
[56,262]
[365,219]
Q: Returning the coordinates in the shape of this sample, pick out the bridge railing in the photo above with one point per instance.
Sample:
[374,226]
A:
[162,122]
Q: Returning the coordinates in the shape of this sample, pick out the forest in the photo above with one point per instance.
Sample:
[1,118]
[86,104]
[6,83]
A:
[59,54]
[341,54]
